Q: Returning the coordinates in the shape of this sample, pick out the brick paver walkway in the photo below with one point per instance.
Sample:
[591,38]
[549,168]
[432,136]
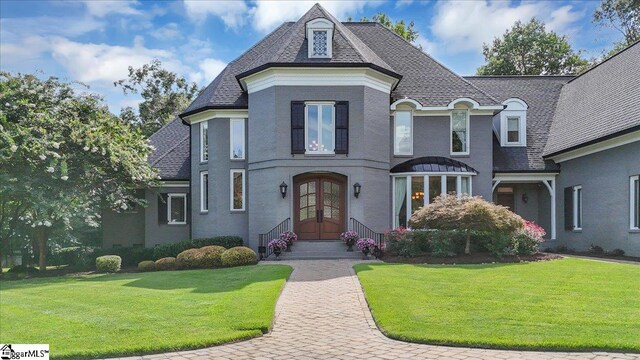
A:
[322,314]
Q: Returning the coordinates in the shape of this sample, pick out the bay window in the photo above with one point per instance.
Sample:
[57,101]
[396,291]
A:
[320,128]
[459,132]
[412,192]
[403,133]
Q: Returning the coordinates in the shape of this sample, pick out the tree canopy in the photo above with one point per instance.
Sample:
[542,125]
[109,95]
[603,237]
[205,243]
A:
[622,15]
[529,49]
[63,156]
[408,32]
[165,95]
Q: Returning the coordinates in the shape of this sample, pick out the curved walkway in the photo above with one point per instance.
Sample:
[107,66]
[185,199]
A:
[322,314]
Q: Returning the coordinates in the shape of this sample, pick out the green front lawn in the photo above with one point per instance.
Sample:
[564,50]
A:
[121,314]
[568,304]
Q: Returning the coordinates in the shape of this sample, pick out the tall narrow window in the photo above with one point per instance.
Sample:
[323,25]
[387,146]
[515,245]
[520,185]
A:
[320,43]
[237,145]
[320,128]
[459,132]
[417,193]
[237,190]
[400,201]
[177,209]
[403,133]
[634,202]
[204,141]
[204,191]
[577,207]
[435,187]
[465,185]
[513,130]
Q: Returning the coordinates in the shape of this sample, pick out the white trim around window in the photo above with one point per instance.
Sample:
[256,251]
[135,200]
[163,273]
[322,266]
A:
[634,202]
[184,204]
[465,143]
[577,207]
[237,134]
[324,146]
[204,141]
[233,190]
[402,116]
[204,191]
[519,140]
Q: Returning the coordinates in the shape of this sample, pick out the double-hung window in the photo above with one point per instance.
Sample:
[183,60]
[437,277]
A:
[577,207]
[204,191]
[403,133]
[177,209]
[634,202]
[513,130]
[320,128]
[237,143]
[460,132]
[238,190]
[204,141]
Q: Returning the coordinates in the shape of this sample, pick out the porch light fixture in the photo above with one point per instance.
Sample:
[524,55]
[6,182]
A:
[283,189]
[356,189]
[525,198]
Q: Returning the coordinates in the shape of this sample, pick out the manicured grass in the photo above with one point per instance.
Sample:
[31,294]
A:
[568,304]
[122,314]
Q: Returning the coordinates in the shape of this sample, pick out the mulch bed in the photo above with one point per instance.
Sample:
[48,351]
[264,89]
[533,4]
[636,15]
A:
[60,272]
[603,256]
[479,258]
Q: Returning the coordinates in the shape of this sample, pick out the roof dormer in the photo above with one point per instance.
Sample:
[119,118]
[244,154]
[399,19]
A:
[511,124]
[320,38]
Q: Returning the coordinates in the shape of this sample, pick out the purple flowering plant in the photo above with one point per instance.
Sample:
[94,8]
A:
[349,237]
[365,245]
[277,244]
[289,237]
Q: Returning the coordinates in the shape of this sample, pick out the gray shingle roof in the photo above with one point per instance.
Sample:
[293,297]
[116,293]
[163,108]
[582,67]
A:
[369,44]
[171,155]
[601,102]
[541,94]
[423,78]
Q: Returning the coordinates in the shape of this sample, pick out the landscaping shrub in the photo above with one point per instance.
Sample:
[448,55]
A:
[595,249]
[147,265]
[469,216]
[173,249]
[527,240]
[497,244]
[166,263]
[406,243]
[238,256]
[616,252]
[443,243]
[108,263]
[211,256]
[22,269]
[77,257]
[190,259]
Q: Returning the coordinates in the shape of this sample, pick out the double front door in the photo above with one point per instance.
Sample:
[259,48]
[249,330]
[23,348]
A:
[319,207]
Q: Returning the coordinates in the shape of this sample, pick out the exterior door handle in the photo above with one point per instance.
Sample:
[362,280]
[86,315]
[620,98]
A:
[321,215]
[317,216]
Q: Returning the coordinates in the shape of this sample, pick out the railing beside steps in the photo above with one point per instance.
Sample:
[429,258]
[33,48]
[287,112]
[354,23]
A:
[263,239]
[365,232]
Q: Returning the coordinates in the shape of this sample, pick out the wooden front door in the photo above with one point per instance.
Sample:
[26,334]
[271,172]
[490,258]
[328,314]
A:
[319,207]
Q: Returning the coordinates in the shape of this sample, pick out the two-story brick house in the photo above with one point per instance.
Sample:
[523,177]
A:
[323,123]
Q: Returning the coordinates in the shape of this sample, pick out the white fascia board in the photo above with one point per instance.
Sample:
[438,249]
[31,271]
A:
[211,114]
[524,177]
[318,77]
[168,184]
[594,148]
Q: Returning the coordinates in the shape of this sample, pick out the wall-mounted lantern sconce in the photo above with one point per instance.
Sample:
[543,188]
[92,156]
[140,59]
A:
[283,189]
[525,198]
[356,189]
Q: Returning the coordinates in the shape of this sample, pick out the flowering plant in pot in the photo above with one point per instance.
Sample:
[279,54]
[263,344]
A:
[277,245]
[289,237]
[365,245]
[349,237]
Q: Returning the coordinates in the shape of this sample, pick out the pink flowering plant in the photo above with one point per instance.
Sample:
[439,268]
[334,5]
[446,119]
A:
[365,245]
[527,239]
[277,245]
[349,237]
[289,237]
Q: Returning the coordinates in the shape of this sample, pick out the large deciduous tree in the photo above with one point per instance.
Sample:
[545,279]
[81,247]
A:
[408,32]
[63,156]
[164,95]
[622,15]
[529,49]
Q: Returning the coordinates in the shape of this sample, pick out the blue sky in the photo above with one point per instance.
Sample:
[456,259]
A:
[95,41]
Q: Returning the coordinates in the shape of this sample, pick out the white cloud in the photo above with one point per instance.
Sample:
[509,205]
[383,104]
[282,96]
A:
[105,7]
[232,13]
[561,19]
[269,14]
[427,46]
[209,69]
[48,25]
[464,26]
[167,32]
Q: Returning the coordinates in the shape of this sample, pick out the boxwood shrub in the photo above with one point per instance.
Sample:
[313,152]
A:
[190,259]
[173,249]
[167,263]
[238,256]
[211,256]
[108,263]
[147,265]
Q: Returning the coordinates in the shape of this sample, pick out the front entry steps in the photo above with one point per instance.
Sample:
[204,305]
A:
[318,250]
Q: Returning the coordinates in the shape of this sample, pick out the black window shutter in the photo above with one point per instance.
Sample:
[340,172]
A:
[568,208]
[162,209]
[342,127]
[297,127]
[188,214]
